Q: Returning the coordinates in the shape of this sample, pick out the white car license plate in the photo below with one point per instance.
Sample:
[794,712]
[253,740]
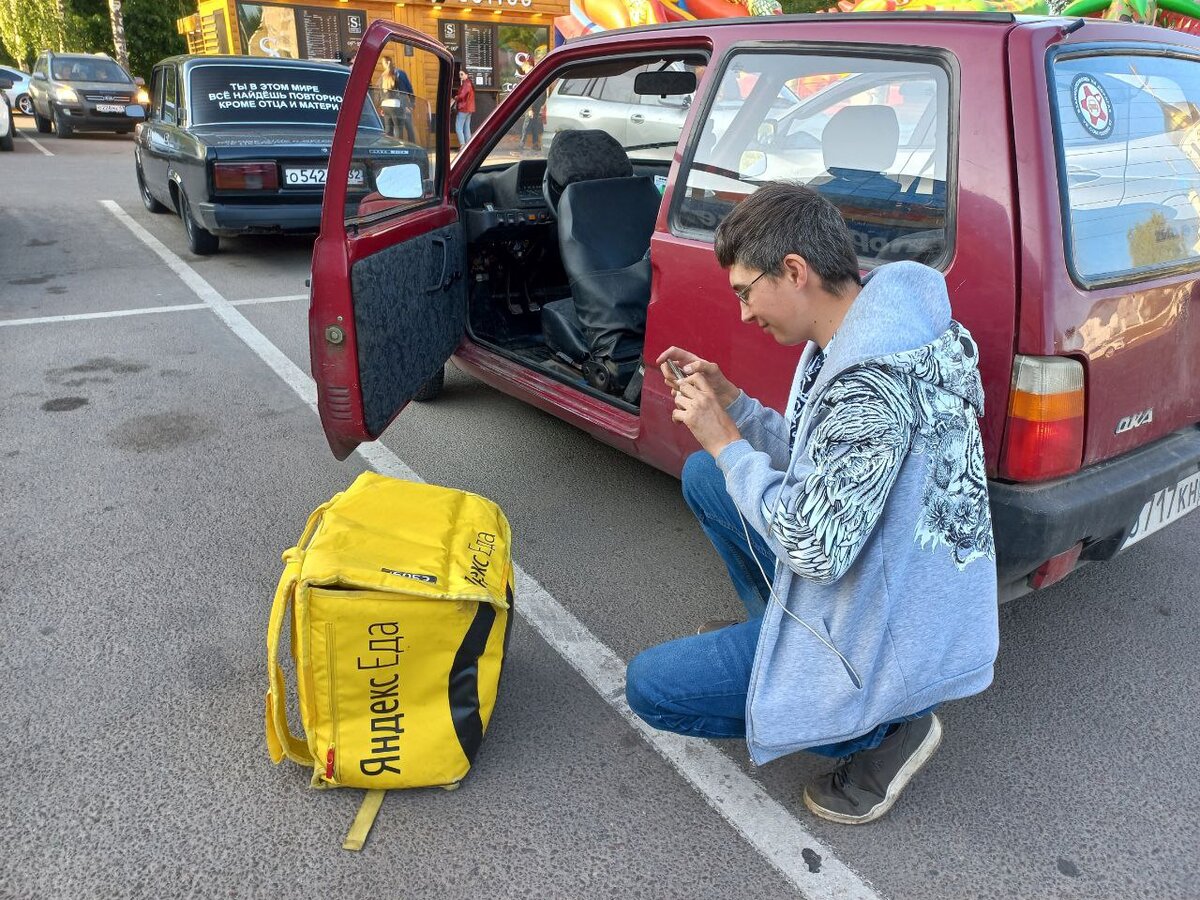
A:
[110,107]
[1165,507]
[314,176]
[303,177]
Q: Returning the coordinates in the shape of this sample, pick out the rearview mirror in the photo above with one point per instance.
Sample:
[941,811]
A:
[400,182]
[135,111]
[38,76]
[664,84]
[140,81]
[752,164]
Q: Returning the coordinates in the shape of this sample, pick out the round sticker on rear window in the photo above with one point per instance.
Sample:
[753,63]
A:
[1092,106]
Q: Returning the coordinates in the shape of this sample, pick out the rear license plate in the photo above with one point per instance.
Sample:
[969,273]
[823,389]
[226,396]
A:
[110,107]
[1165,507]
[315,177]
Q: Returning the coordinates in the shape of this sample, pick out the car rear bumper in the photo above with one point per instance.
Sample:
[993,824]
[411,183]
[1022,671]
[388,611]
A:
[1097,506]
[260,218]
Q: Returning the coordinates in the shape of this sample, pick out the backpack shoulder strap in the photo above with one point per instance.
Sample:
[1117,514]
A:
[280,740]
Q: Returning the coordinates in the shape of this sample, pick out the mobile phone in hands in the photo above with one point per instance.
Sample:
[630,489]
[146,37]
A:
[675,370]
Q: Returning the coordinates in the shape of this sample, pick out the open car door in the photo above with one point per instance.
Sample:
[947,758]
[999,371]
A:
[388,303]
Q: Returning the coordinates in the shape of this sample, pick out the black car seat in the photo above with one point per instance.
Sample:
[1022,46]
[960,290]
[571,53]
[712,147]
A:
[606,216]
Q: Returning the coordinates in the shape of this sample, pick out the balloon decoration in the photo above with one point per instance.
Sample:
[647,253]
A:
[1016,7]
[1145,12]
[601,15]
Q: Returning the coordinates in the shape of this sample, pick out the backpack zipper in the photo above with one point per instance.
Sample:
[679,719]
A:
[330,661]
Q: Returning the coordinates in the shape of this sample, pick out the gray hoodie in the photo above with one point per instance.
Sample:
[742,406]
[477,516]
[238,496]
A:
[879,522]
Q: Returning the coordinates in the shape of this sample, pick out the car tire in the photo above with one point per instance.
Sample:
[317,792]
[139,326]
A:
[6,142]
[25,105]
[124,131]
[41,122]
[62,128]
[200,241]
[147,198]
[429,390]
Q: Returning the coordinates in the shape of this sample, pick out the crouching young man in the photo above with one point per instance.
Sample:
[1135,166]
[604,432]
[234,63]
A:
[855,528]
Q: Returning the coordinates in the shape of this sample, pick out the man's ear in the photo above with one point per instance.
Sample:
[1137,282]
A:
[796,271]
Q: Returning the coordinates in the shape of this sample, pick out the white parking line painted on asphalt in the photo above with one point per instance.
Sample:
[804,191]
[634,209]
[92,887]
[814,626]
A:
[120,313]
[764,823]
[35,143]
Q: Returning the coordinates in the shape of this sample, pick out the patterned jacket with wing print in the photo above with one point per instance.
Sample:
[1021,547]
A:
[878,516]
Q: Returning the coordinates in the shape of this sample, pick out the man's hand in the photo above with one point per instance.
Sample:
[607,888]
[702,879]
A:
[698,407]
[691,364]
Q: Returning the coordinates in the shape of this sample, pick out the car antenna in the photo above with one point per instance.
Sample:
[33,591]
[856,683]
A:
[1072,28]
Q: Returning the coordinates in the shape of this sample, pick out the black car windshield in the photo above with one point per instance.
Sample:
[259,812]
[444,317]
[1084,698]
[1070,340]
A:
[264,94]
[86,69]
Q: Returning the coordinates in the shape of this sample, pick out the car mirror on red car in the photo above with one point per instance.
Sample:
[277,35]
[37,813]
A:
[400,182]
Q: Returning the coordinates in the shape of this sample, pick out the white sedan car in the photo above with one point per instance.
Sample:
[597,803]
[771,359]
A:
[18,94]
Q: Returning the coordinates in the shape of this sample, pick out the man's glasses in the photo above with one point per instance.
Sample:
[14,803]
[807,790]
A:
[743,294]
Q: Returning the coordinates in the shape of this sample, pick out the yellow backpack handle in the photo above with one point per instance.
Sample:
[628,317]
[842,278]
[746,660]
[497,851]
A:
[280,740]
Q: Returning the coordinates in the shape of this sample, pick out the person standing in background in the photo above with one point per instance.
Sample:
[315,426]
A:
[464,103]
[403,91]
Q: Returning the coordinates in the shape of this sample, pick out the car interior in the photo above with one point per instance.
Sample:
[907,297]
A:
[558,245]
[558,239]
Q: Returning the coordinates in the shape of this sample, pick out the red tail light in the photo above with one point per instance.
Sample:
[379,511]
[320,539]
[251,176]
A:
[255,176]
[1044,434]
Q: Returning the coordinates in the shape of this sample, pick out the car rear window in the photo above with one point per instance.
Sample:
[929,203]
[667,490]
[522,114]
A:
[1129,157]
[265,95]
[870,134]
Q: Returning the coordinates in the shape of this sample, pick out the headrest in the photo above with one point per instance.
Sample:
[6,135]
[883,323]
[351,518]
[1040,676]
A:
[583,156]
[863,138]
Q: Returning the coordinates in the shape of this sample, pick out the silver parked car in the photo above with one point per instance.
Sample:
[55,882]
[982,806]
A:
[18,94]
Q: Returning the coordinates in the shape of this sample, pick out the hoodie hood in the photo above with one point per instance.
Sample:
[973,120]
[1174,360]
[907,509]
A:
[901,320]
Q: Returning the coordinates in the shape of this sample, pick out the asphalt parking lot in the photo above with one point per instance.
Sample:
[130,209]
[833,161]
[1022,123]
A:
[155,465]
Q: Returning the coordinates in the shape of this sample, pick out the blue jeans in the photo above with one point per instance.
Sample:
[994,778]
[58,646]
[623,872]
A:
[462,127]
[697,685]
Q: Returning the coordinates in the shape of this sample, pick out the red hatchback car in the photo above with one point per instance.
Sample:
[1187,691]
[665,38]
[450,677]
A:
[1049,167]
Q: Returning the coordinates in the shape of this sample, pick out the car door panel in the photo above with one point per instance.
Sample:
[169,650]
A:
[391,364]
[388,289]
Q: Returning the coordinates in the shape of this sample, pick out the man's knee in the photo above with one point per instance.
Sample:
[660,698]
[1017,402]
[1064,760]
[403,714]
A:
[699,472]
[642,687]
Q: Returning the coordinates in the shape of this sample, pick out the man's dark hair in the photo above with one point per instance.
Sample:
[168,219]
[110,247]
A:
[781,218]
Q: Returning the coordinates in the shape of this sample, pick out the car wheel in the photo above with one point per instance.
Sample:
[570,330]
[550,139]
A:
[62,128]
[25,105]
[6,142]
[430,389]
[124,131]
[147,198]
[41,122]
[200,241]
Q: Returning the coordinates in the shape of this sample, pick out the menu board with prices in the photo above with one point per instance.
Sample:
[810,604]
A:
[479,57]
[322,37]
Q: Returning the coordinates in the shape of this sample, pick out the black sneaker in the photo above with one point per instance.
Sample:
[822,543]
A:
[867,784]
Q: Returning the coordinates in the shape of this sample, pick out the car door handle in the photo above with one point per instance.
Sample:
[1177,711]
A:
[637,118]
[440,284]
[585,114]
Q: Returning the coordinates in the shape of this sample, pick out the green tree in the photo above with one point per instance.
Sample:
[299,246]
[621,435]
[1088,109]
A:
[806,6]
[27,27]
[88,27]
[151,32]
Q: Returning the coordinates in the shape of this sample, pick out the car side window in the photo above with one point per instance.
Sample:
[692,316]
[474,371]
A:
[568,104]
[170,103]
[872,135]
[156,92]
[1130,169]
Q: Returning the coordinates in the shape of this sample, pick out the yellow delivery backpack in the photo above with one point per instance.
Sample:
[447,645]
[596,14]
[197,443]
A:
[399,597]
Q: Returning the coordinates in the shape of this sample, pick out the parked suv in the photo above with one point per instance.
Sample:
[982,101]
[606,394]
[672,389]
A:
[1049,168]
[84,92]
